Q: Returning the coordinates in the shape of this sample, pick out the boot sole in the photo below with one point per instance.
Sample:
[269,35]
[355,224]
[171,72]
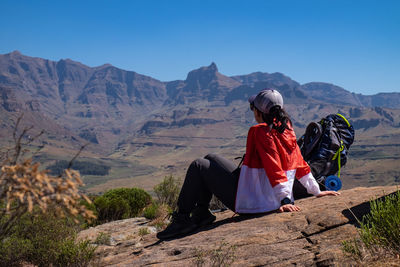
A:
[206,221]
[180,233]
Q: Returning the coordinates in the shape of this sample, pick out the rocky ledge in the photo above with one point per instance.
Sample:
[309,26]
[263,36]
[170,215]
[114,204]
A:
[311,237]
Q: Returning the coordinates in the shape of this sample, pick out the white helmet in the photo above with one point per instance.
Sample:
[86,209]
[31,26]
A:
[266,99]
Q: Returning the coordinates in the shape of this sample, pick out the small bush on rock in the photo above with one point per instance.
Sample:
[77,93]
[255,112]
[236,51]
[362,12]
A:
[379,234]
[161,213]
[111,209]
[151,211]
[121,203]
[143,231]
[167,191]
[103,239]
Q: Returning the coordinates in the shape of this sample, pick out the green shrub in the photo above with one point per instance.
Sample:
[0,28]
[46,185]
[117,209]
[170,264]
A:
[352,248]
[379,230]
[45,240]
[121,203]
[14,250]
[167,191]
[158,215]
[111,209]
[103,239]
[151,211]
[143,231]
[382,226]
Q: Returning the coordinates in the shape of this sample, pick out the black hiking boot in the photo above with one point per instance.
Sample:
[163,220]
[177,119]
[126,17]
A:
[202,216]
[181,224]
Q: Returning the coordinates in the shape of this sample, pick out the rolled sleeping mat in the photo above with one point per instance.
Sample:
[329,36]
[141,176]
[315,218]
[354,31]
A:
[333,183]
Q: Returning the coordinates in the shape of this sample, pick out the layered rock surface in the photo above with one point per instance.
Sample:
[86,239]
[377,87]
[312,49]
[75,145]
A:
[311,237]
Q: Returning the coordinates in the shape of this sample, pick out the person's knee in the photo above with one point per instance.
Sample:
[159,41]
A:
[211,156]
[199,163]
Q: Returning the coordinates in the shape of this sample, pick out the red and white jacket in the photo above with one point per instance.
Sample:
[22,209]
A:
[271,164]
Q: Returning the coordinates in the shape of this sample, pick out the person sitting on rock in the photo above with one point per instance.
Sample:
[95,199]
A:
[263,183]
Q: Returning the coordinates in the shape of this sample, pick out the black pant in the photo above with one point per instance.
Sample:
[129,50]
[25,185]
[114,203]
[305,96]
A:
[207,176]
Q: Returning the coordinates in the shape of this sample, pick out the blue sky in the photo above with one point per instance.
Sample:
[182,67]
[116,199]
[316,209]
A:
[353,44]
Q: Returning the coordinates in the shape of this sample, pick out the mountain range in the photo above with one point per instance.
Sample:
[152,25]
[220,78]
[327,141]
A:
[137,118]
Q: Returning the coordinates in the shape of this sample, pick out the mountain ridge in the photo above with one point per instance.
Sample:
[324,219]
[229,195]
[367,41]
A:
[195,80]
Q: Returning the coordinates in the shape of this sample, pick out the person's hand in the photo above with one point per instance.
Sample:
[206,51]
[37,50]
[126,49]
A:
[289,208]
[328,193]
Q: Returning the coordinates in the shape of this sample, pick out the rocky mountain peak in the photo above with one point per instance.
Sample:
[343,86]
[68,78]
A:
[209,72]
[213,66]
[15,53]
[204,83]
[70,62]
[106,65]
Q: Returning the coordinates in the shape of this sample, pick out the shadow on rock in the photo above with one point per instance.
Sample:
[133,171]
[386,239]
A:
[234,219]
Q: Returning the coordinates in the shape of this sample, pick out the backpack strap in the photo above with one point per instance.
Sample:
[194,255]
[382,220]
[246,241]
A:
[339,151]
[337,155]
[347,122]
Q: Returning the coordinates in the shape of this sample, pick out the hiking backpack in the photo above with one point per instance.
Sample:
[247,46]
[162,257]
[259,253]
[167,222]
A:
[324,147]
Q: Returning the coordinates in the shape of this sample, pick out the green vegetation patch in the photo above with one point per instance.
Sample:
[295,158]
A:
[379,234]
[121,203]
[44,240]
[168,191]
